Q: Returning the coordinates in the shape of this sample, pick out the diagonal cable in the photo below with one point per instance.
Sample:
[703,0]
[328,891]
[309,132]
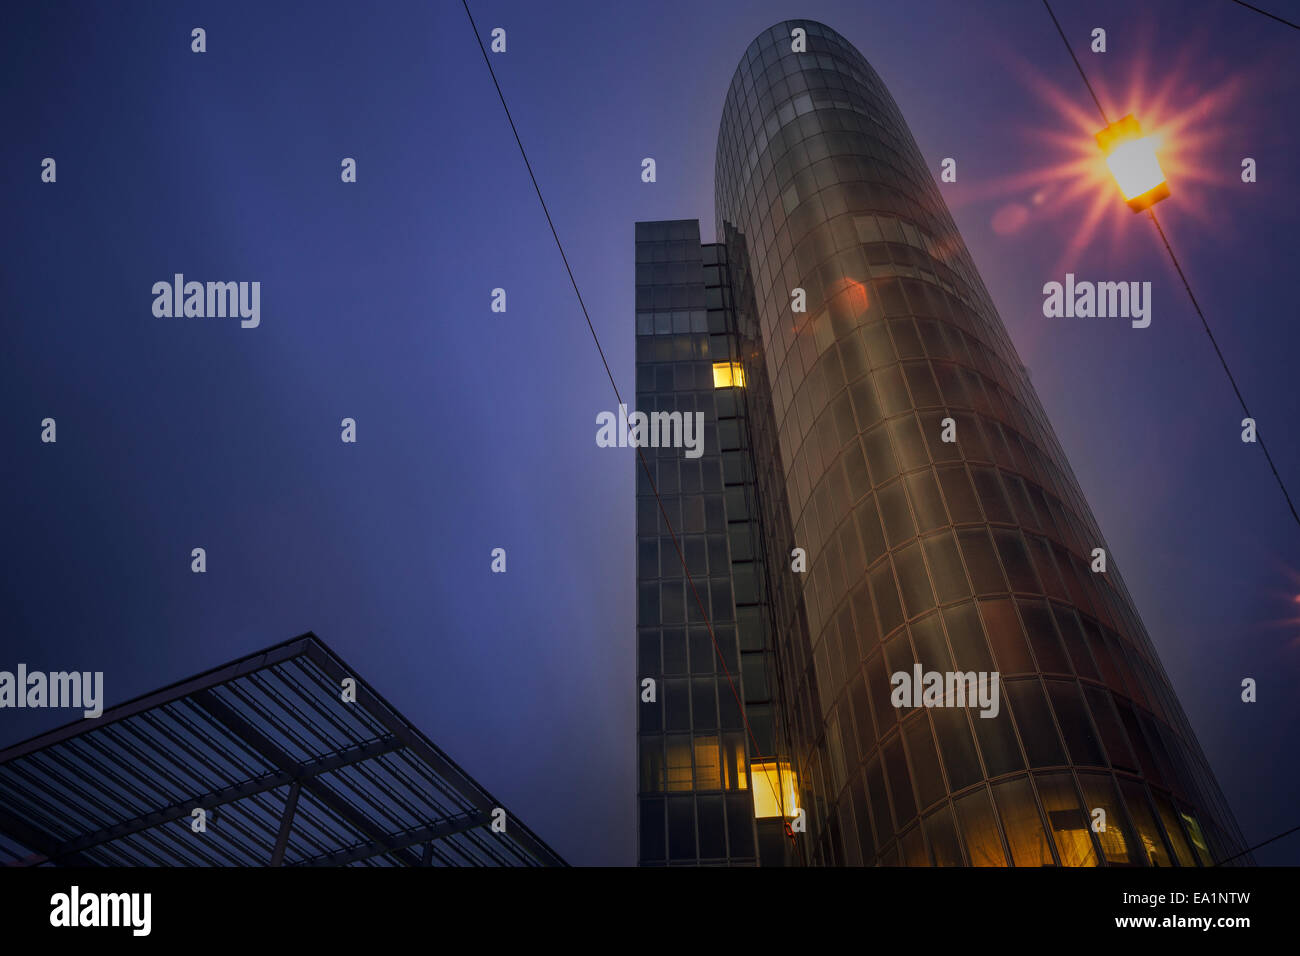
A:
[1187,285]
[645,465]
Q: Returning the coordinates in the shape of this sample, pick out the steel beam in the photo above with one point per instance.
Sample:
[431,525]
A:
[218,675]
[272,752]
[239,791]
[286,824]
[400,841]
[463,783]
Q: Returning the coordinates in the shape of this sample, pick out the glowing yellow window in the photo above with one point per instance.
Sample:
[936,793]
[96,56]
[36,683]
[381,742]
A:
[1114,845]
[768,780]
[728,374]
[733,763]
[708,774]
[679,762]
[1198,838]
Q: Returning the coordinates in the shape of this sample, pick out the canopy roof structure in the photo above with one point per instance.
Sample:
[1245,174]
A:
[285,771]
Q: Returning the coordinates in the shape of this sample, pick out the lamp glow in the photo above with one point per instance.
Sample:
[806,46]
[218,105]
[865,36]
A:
[1132,161]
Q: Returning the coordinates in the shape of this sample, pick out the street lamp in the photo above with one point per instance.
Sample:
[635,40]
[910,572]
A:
[1132,161]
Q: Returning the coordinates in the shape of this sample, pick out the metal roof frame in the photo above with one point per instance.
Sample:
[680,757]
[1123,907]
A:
[286,771]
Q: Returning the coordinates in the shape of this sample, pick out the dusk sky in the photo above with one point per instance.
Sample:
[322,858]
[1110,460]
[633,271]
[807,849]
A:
[476,430]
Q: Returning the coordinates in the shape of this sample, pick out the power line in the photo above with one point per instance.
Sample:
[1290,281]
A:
[1257,846]
[1222,361]
[1186,285]
[1271,16]
[1205,325]
[1077,64]
[645,465]
[545,210]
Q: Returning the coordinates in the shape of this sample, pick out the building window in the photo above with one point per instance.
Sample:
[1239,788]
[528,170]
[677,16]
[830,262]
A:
[679,763]
[733,762]
[773,785]
[728,375]
[1023,826]
[707,770]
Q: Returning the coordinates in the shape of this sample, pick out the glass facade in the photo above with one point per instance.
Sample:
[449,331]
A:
[965,555]
[702,733]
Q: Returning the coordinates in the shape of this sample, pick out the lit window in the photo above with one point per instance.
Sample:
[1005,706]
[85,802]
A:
[733,762]
[1072,843]
[1198,838]
[679,762]
[1114,845]
[769,780]
[728,374]
[708,775]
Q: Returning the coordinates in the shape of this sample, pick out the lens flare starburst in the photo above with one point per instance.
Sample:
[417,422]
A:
[1185,119]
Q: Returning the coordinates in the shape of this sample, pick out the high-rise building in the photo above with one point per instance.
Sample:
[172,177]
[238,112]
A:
[879,490]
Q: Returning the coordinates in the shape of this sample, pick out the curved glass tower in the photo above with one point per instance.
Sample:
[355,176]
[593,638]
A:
[970,555]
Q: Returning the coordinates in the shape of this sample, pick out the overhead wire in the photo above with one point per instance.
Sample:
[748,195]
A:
[645,465]
[1204,324]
